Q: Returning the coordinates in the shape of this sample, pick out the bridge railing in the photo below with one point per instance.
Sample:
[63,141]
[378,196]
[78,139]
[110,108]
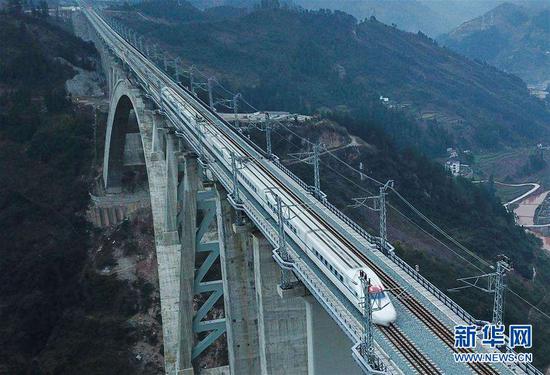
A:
[442,297]
[290,174]
[453,306]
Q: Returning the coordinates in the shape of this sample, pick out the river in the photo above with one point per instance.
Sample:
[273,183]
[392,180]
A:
[525,213]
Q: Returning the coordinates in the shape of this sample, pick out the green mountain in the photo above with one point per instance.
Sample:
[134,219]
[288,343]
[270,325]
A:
[309,60]
[433,17]
[512,37]
[58,315]
[316,61]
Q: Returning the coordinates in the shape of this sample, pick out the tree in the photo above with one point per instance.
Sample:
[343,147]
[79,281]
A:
[14,7]
[44,9]
[270,4]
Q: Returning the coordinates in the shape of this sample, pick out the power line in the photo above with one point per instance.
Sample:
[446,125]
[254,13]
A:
[415,210]
[438,240]
[530,304]
[408,219]
[438,229]
[409,204]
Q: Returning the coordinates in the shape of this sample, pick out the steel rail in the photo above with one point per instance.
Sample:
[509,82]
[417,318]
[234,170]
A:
[413,305]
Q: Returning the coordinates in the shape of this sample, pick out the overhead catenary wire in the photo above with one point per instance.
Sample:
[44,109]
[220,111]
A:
[408,219]
[397,194]
[439,241]
[408,203]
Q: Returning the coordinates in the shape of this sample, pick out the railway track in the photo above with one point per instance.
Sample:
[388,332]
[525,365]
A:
[407,349]
[438,328]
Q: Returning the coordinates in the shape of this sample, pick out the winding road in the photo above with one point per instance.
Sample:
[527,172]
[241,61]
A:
[517,199]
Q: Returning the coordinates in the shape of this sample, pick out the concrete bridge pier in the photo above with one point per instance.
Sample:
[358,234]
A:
[186,193]
[328,348]
[266,333]
[282,328]
[237,263]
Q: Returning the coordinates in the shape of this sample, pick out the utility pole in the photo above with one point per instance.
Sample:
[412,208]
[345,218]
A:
[235,191]
[191,79]
[211,81]
[312,158]
[236,98]
[316,172]
[268,128]
[177,69]
[367,345]
[380,207]
[500,289]
[285,276]
[367,340]
[237,163]
[496,283]
[161,104]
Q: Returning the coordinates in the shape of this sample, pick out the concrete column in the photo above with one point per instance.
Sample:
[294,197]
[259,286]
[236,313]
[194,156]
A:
[168,254]
[239,293]
[187,265]
[328,348]
[157,150]
[282,324]
[172,159]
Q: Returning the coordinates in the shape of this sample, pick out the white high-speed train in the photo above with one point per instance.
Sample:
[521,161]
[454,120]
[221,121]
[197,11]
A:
[332,257]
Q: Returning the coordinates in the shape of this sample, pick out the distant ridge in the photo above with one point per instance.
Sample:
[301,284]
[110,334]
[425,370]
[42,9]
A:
[512,37]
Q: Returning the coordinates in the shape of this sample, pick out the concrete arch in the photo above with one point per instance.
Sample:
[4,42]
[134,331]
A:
[124,99]
[150,125]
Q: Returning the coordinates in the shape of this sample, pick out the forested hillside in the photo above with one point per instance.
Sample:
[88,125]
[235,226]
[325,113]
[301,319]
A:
[306,61]
[470,213]
[57,314]
[512,37]
[303,61]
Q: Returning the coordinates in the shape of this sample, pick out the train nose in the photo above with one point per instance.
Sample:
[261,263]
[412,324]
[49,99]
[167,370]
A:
[391,314]
[386,316]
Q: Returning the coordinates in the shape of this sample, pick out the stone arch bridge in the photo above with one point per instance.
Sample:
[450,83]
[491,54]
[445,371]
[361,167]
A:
[267,331]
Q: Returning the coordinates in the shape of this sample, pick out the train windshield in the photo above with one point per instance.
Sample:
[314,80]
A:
[376,292]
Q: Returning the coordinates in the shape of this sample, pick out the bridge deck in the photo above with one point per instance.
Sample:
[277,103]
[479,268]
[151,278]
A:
[413,324]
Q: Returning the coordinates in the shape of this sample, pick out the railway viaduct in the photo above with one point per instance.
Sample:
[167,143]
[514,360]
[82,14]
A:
[268,330]
[219,275]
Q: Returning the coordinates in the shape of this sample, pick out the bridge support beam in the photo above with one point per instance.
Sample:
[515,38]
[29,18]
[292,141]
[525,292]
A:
[266,334]
[167,245]
[282,327]
[239,292]
[327,346]
[187,196]
[172,168]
